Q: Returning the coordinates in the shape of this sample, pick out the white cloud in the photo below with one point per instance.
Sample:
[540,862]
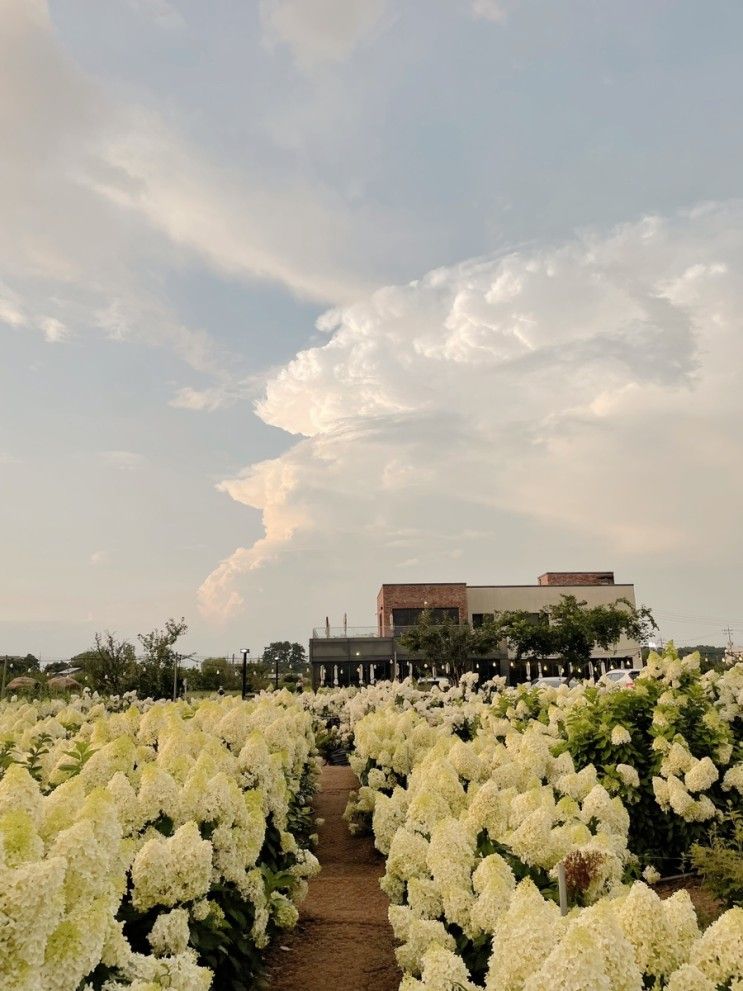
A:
[318,31]
[11,312]
[283,230]
[123,460]
[489,10]
[214,397]
[99,198]
[161,11]
[98,558]
[54,330]
[575,392]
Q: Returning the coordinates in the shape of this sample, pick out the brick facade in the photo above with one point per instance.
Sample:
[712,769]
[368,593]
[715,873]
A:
[434,596]
[577,578]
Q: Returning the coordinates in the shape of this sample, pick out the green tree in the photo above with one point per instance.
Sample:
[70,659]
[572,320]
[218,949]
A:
[444,641]
[157,666]
[12,666]
[111,667]
[215,673]
[259,676]
[28,665]
[571,629]
[290,656]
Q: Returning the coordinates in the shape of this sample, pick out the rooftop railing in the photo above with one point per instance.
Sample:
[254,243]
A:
[345,632]
[342,632]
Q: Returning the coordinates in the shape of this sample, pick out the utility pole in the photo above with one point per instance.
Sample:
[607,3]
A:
[175,676]
[730,637]
[276,670]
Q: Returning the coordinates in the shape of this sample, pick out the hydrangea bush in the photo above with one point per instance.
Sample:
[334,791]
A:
[665,748]
[158,845]
[475,825]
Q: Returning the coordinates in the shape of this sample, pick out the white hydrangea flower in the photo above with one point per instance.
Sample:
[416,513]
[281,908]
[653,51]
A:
[523,939]
[678,760]
[620,735]
[169,935]
[168,871]
[424,898]
[574,964]
[19,792]
[682,921]
[701,775]
[734,778]
[718,953]
[451,858]
[690,978]
[628,775]
[651,875]
[443,970]
[421,936]
[645,924]
[724,753]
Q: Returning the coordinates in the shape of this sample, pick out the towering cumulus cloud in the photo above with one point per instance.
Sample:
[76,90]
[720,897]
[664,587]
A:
[585,392]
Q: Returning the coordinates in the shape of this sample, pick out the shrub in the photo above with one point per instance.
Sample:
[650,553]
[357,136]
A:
[720,862]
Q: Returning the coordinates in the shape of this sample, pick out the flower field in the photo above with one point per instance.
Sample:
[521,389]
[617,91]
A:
[479,801]
[150,845]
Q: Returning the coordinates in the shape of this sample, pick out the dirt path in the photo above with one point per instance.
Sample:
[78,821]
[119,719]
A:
[343,941]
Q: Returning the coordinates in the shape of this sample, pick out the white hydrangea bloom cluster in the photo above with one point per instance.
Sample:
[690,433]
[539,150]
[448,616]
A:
[726,690]
[168,803]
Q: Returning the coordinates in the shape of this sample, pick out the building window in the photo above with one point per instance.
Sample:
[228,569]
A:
[480,618]
[409,617]
[539,618]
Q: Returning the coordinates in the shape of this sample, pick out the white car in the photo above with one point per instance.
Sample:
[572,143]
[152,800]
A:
[553,681]
[620,677]
[442,683]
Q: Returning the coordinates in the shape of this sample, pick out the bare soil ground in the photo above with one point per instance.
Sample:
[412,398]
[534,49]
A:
[343,940]
[708,908]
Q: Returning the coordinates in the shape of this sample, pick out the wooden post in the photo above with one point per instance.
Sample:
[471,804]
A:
[562,887]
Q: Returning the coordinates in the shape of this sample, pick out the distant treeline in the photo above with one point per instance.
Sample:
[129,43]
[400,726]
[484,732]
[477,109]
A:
[113,666]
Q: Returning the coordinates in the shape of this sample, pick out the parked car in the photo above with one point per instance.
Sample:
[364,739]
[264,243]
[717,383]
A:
[620,677]
[424,683]
[553,681]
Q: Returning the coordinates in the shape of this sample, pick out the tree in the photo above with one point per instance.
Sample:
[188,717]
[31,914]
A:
[215,673]
[111,667]
[12,666]
[290,656]
[444,641]
[259,676]
[571,629]
[157,667]
[28,665]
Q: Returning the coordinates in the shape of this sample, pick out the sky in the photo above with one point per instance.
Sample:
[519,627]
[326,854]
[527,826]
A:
[302,296]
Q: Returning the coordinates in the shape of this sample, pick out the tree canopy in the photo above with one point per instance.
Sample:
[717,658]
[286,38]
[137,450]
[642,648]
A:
[571,629]
[444,641]
[157,666]
[111,667]
[291,656]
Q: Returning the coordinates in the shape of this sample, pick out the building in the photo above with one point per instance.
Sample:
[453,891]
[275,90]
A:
[343,656]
